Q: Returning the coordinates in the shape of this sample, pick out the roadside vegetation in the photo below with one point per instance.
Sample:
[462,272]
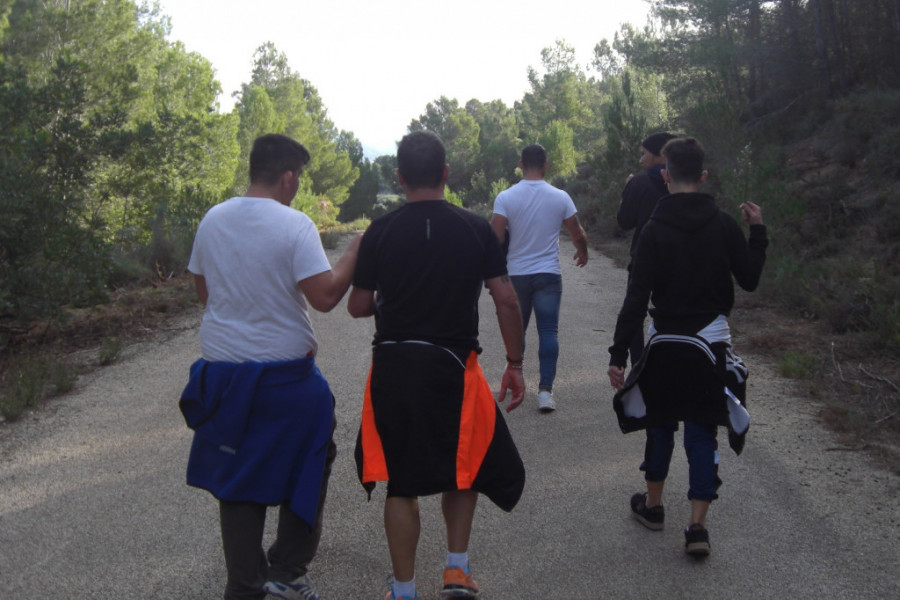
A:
[113,146]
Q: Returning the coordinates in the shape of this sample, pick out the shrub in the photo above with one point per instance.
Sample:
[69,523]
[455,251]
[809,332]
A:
[110,349]
[24,386]
[798,365]
[62,378]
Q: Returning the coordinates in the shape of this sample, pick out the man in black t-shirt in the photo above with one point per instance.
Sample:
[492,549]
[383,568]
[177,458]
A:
[430,423]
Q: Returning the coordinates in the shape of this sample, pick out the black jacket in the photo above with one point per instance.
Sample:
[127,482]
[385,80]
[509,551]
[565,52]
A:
[639,198]
[684,262]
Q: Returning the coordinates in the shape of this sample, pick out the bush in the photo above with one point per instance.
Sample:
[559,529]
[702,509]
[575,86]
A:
[110,349]
[24,386]
[798,365]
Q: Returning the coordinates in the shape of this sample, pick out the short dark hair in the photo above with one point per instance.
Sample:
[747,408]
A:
[534,156]
[421,159]
[273,154]
[684,159]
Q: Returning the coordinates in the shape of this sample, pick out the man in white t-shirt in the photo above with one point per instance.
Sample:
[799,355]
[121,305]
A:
[532,213]
[262,413]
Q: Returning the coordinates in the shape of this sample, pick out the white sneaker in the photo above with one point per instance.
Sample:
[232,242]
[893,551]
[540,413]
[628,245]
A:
[545,401]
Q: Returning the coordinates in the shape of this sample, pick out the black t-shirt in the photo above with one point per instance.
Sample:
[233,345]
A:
[427,261]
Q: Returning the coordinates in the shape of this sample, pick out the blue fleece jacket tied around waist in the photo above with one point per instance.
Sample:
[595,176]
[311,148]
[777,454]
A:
[261,431]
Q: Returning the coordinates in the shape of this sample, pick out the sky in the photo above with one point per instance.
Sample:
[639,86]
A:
[377,63]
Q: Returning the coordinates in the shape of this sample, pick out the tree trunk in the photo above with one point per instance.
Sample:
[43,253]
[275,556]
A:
[754,47]
[821,47]
[897,36]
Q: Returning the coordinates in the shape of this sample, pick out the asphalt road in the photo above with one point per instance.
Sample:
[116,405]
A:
[93,503]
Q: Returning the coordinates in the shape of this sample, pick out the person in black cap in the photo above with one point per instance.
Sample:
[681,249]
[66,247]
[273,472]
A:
[639,198]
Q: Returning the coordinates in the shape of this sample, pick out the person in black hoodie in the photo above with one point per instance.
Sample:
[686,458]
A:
[684,263]
[639,197]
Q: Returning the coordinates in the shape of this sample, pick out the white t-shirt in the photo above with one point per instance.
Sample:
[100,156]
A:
[252,252]
[535,211]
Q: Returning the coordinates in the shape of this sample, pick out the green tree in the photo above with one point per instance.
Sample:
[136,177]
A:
[278,100]
[497,139]
[363,194]
[460,133]
[160,149]
[626,125]
[558,140]
[386,165]
[50,255]
[562,94]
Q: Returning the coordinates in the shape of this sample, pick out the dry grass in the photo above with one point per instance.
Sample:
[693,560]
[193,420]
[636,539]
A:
[45,359]
[856,390]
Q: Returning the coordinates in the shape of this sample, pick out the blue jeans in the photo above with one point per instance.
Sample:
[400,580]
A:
[701,448]
[542,293]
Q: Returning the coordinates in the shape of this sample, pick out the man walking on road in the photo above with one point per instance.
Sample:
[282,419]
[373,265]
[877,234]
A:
[532,211]
[430,423]
[262,412]
[639,198]
[685,260]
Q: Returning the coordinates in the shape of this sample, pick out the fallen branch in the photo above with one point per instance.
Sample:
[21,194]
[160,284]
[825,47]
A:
[837,365]
[882,379]
[846,448]
[882,419]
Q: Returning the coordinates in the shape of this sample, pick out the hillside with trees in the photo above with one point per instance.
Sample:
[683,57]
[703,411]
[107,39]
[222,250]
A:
[113,147]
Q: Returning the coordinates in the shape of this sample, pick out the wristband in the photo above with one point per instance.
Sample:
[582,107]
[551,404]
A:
[514,364]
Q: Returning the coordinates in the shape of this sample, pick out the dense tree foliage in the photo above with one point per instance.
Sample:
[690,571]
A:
[113,149]
[278,100]
[113,144]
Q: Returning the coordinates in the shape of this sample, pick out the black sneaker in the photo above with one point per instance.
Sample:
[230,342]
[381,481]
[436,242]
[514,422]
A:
[696,540]
[651,518]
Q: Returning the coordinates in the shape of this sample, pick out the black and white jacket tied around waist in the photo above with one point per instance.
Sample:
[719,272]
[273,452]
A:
[695,378]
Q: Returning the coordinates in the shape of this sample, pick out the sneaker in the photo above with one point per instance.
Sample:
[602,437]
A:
[458,584]
[545,401]
[390,596]
[696,540]
[299,589]
[651,518]
[390,593]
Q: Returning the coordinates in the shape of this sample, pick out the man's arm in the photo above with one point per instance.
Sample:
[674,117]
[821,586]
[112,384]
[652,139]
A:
[499,223]
[579,239]
[509,317]
[627,214]
[202,291]
[361,303]
[750,255]
[325,290]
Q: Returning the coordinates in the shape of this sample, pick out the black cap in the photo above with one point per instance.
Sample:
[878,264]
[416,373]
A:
[655,141]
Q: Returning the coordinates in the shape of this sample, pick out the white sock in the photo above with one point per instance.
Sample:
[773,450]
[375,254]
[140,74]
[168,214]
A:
[404,589]
[460,559]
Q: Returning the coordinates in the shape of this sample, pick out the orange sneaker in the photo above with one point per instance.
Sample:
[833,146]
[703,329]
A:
[458,584]
[390,596]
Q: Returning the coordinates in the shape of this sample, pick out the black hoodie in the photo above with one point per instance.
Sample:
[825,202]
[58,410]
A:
[639,198]
[683,264]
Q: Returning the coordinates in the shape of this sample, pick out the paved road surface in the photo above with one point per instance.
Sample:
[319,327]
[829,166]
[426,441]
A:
[93,503]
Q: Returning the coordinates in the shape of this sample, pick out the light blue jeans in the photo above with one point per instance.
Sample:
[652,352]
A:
[542,293]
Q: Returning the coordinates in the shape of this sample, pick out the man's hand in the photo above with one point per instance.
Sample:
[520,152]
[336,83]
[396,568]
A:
[616,377]
[751,213]
[512,381]
[581,258]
